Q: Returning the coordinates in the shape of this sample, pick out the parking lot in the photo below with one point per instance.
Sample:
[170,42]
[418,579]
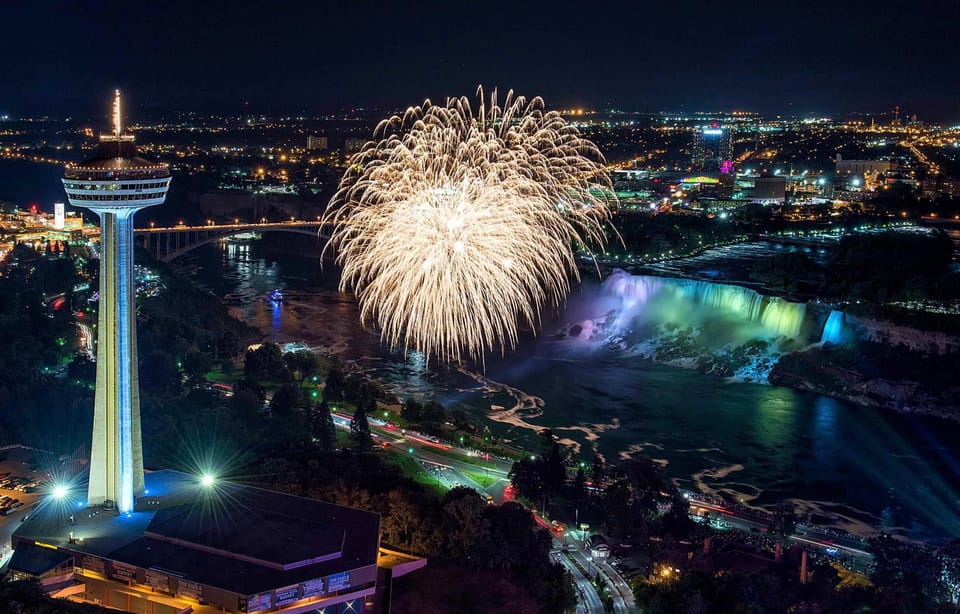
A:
[18,493]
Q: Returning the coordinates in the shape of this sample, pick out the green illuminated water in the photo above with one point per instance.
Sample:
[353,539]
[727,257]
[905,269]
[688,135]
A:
[850,465]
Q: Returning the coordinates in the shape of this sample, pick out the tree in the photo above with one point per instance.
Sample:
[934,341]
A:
[360,427]
[302,363]
[412,411]
[783,522]
[82,368]
[334,386]
[196,365]
[265,362]
[597,471]
[408,522]
[580,486]
[434,413]
[465,526]
[322,427]
[228,345]
[246,404]
[677,520]
[251,384]
[551,465]
[526,478]
[284,401]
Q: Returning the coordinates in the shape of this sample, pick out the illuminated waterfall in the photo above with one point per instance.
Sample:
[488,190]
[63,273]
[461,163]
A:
[833,329]
[777,316]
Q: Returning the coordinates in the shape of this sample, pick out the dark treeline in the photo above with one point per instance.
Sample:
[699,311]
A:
[47,399]
[652,235]
[872,267]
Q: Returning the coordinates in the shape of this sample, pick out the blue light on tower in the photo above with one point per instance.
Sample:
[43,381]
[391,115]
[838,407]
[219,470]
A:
[116,183]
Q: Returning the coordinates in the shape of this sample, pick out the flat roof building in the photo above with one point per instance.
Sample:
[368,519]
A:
[861,167]
[190,546]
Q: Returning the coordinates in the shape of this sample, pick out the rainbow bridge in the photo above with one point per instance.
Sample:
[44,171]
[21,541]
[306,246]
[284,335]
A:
[168,243]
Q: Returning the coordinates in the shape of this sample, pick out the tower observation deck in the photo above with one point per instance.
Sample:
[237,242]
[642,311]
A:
[116,183]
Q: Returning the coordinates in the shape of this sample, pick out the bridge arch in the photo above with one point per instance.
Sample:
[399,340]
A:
[156,244]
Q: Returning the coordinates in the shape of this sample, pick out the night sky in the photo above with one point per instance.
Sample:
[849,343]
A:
[792,58]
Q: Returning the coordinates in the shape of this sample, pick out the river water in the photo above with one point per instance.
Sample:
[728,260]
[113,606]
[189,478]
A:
[849,466]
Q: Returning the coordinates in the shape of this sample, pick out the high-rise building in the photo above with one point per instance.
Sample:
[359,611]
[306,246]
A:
[712,146]
[316,143]
[58,216]
[352,146]
[116,183]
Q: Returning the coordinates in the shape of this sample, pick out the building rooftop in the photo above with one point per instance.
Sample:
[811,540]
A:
[236,537]
[36,559]
[115,154]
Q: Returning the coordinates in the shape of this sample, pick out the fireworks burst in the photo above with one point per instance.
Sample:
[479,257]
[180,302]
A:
[455,227]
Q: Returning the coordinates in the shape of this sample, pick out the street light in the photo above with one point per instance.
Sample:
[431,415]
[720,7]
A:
[59,491]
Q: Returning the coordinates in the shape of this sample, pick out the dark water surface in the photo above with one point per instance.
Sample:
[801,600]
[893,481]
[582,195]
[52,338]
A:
[853,466]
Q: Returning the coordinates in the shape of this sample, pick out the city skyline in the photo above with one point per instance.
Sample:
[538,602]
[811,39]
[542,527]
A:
[774,60]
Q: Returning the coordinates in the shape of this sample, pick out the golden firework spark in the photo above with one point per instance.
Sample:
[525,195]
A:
[455,227]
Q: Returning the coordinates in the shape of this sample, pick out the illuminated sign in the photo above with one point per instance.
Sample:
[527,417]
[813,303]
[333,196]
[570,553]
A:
[726,167]
[157,580]
[338,581]
[58,216]
[287,595]
[713,131]
[123,572]
[93,564]
[186,588]
[313,587]
[259,602]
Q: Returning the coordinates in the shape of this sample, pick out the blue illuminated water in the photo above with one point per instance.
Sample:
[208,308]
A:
[850,465]
[833,329]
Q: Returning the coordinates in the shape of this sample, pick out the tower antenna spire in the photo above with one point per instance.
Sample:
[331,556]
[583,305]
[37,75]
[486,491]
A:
[116,114]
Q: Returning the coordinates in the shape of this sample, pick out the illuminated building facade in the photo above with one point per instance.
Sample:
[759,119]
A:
[712,148]
[207,546]
[115,183]
[861,167]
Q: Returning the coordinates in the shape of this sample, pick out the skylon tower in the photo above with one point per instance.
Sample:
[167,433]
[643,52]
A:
[116,183]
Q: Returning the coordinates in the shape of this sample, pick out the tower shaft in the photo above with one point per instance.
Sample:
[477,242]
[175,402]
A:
[116,466]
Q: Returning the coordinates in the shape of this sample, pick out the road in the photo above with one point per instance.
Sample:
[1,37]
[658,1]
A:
[85,337]
[619,589]
[15,465]
[588,600]
[848,546]
[450,465]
